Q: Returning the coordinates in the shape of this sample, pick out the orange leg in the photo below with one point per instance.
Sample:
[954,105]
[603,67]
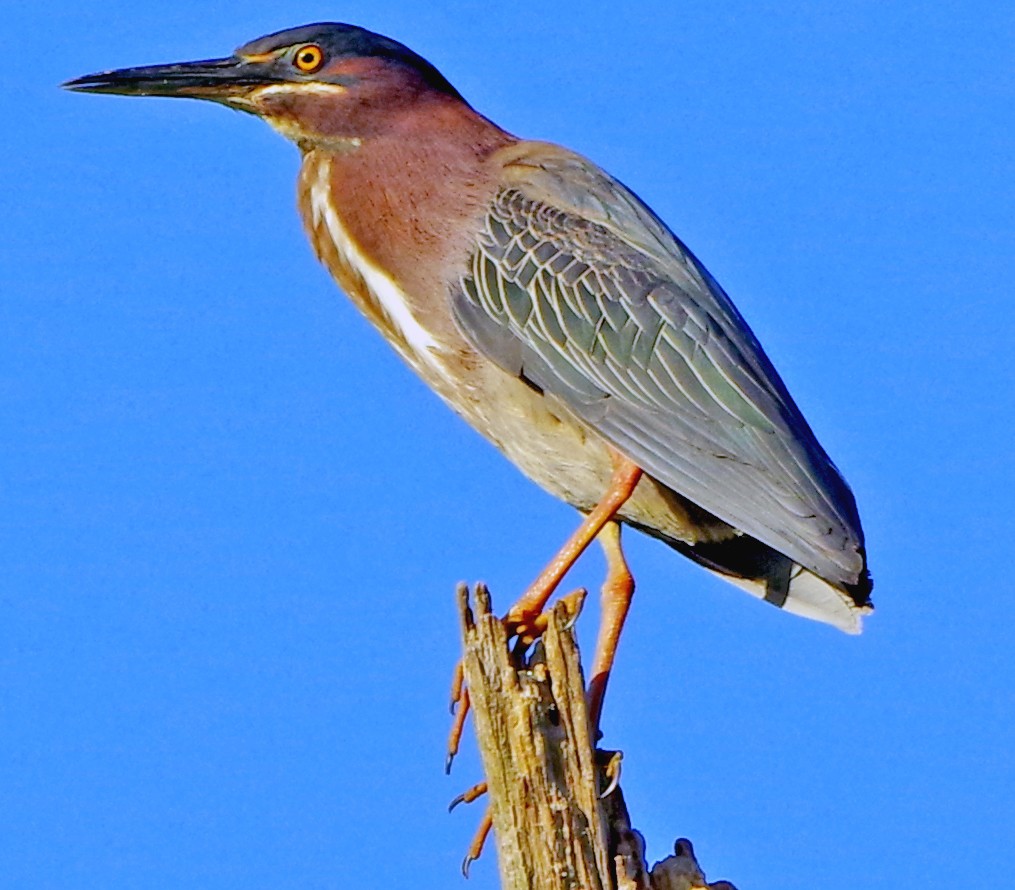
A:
[625,478]
[460,701]
[523,618]
[617,593]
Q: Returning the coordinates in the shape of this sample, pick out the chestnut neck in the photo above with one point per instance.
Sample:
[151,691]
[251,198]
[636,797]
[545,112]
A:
[408,191]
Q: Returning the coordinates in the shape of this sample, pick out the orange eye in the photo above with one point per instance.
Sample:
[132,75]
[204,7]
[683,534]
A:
[309,58]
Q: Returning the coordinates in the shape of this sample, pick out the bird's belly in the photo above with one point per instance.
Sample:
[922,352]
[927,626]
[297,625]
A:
[541,437]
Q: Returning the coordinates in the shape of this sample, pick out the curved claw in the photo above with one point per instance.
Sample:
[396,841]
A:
[574,602]
[478,841]
[469,795]
[612,772]
[457,727]
[529,628]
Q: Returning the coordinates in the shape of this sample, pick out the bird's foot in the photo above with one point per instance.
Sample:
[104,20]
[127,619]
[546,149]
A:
[609,771]
[479,838]
[460,710]
[528,626]
[478,842]
[524,628]
[473,793]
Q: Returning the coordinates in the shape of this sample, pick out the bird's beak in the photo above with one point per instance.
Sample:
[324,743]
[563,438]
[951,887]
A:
[216,79]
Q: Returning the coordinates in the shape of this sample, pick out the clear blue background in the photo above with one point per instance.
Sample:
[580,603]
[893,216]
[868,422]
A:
[232,521]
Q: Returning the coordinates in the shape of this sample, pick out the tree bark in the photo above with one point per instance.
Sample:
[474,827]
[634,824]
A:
[554,830]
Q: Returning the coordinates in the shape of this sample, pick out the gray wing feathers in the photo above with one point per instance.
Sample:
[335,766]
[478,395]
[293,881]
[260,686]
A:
[577,287]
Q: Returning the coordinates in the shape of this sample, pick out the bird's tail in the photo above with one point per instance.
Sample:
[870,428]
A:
[769,575]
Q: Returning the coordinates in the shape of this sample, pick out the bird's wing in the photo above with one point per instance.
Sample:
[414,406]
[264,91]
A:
[576,286]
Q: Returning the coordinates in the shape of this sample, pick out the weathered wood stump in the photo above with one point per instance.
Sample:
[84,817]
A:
[554,831]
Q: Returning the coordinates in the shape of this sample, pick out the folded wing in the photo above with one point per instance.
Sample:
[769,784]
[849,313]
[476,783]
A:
[576,286]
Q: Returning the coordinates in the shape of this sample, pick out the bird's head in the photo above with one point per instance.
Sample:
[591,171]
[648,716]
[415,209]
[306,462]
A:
[322,83]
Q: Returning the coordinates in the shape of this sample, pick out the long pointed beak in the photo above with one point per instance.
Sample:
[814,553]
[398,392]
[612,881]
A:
[216,79]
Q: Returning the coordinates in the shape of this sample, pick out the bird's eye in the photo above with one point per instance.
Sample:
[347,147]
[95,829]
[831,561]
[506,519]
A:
[309,58]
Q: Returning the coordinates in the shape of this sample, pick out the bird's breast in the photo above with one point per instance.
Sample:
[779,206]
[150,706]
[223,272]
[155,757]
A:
[375,292]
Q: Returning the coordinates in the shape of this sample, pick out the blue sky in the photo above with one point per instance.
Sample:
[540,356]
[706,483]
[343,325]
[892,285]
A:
[232,521]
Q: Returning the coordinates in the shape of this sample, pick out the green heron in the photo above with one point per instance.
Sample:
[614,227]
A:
[556,313]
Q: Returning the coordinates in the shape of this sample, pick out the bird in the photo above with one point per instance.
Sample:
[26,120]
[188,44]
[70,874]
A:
[555,312]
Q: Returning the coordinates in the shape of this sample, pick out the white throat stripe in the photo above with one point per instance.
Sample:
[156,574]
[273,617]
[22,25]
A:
[387,293]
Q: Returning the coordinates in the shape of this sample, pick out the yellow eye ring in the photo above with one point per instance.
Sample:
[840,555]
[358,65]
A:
[309,58]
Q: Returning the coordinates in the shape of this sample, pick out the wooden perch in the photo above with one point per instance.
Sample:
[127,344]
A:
[553,830]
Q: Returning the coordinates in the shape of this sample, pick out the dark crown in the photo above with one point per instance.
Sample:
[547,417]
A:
[338,40]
